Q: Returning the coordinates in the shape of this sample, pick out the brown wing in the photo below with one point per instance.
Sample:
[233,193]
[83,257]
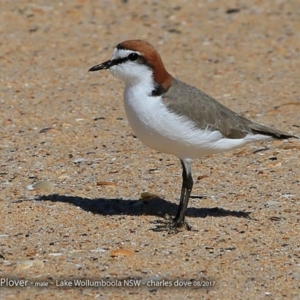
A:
[205,111]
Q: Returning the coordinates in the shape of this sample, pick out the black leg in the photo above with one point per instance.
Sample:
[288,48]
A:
[187,185]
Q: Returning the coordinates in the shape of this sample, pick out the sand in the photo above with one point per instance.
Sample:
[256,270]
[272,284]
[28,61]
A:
[72,174]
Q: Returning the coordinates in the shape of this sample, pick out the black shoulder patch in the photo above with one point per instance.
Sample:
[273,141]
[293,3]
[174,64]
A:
[158,91]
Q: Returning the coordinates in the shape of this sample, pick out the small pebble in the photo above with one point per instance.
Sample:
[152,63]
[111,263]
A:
[78,160]
[271,203]
[98,250]
[121,252]
[106,183]
[44,185]
[147,195]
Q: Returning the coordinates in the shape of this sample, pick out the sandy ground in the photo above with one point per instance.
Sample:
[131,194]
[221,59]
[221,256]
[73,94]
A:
[67,127]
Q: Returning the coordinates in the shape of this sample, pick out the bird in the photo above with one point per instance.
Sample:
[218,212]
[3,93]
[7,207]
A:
[173,117]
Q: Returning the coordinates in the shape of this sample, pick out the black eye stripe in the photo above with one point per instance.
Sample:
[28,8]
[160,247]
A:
[131,57]
[119,61]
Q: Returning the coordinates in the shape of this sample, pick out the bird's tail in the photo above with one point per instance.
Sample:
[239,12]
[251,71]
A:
[276,134]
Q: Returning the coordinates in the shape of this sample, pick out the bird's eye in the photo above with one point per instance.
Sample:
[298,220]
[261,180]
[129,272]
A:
[133,56]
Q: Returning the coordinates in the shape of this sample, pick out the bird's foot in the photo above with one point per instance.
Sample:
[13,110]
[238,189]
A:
[170,225]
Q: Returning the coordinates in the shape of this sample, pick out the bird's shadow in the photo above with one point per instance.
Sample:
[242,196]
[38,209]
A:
[155,206]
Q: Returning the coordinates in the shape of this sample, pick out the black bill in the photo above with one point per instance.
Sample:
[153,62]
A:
[103,66]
